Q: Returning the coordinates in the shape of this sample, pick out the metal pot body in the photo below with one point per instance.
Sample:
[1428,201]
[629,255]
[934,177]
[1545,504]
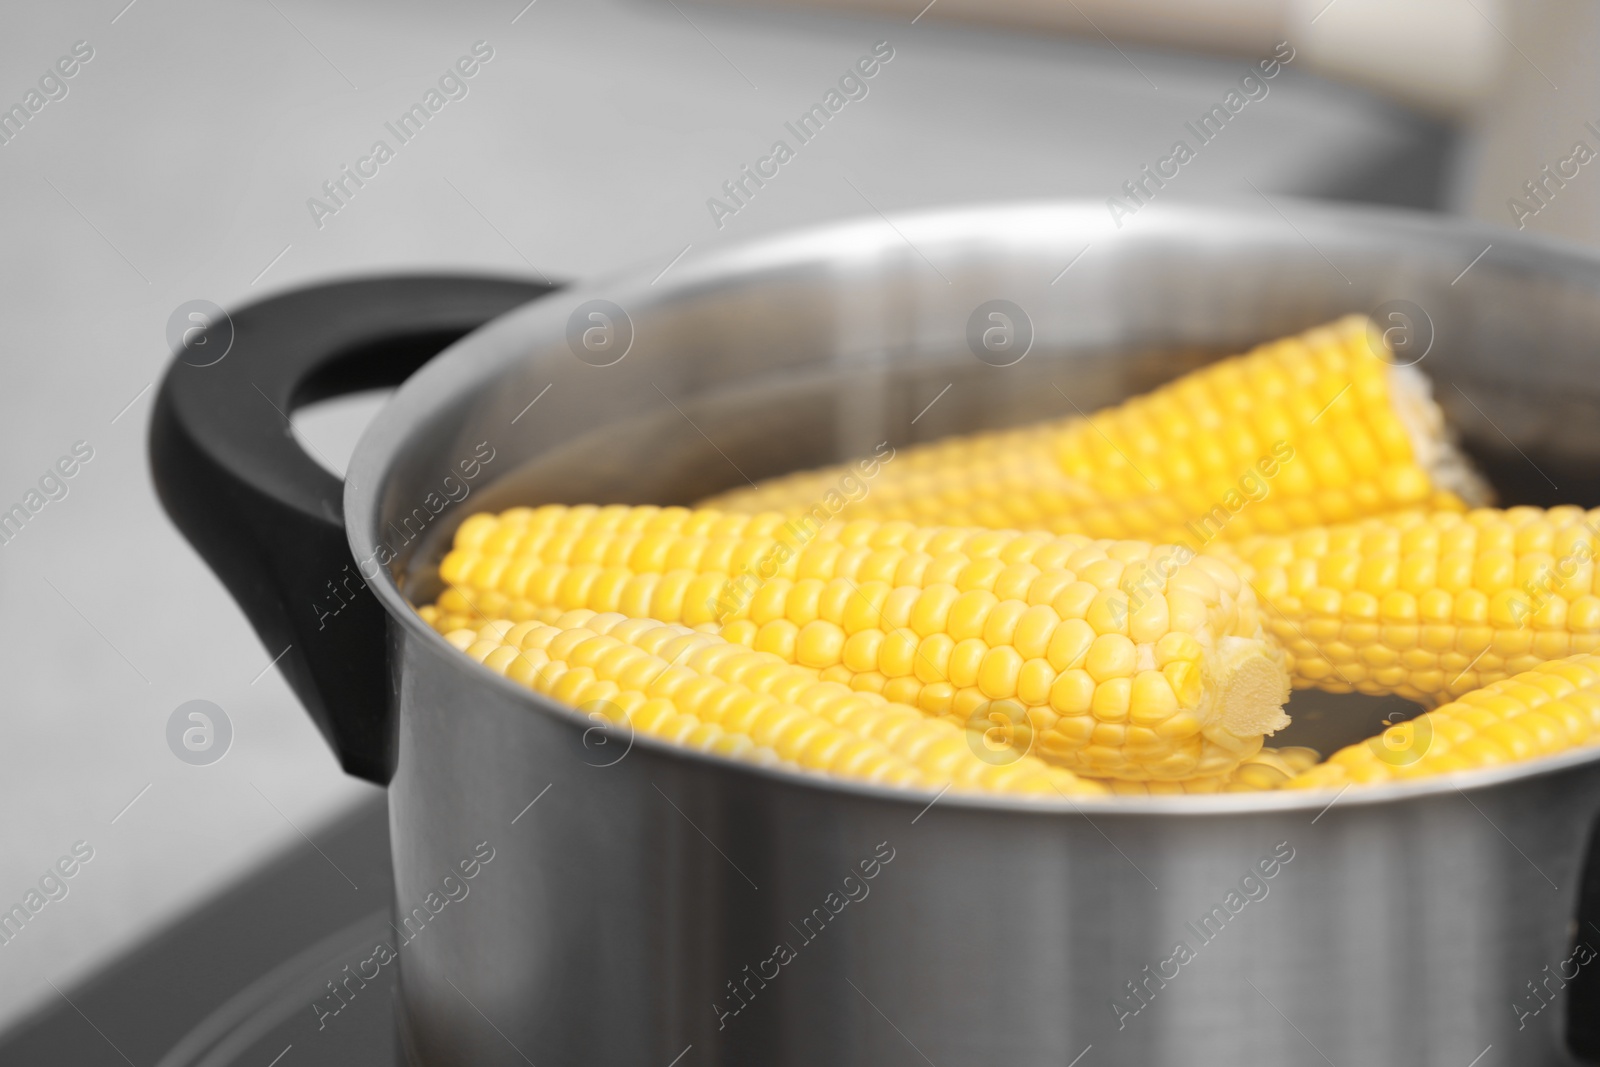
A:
[645,905]
[656,907]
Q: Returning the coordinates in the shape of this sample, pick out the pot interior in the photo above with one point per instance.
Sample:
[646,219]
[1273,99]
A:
[805,351]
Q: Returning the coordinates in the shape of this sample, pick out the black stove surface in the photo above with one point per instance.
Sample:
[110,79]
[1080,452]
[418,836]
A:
[236,982]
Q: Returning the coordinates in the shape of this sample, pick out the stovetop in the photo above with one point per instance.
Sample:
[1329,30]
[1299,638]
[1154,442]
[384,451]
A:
[236,982]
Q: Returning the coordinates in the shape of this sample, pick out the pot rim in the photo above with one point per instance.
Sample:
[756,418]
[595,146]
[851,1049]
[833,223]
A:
[839,241]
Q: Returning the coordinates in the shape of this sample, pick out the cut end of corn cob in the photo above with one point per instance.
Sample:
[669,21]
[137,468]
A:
[1432,442]
[1251,689]
[1552,708]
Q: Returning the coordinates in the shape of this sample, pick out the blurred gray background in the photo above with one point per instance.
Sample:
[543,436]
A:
[179,163]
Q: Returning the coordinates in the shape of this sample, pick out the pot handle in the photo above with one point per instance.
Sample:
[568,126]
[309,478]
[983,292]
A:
[263,514]
[1583,989]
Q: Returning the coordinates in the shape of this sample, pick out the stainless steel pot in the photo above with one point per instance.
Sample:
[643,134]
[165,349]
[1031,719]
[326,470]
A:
[649,906]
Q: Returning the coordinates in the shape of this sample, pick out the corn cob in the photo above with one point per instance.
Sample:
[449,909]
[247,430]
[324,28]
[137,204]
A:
[1428,605]
[701,691]
[1549,709]
[1178,682]
[1311,429]
[1267,770]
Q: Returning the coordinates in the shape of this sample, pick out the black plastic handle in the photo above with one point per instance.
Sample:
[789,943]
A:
[1583,988]
[265,516]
